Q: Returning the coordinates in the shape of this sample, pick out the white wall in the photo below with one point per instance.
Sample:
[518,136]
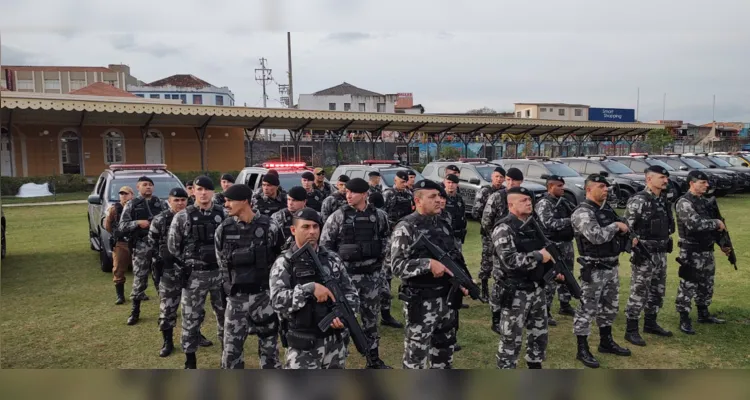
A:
[312,102]
[209,93]
[553,112]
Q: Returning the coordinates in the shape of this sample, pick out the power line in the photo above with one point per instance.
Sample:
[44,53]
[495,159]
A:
[263,75]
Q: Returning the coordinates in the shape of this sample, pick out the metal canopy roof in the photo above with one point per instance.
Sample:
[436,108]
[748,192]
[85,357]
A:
[92,110]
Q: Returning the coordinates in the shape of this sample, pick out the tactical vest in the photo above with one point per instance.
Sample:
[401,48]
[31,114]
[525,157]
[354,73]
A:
[604,217]
[144,210]
[360,235]
[399,206]
[326,189]
[526,239]
[250,256]
[219,199]
[268,206]
[455,206]
[315,200]
[439,235]
[560,210]
[117,234]
[200,244]
[339,200]
[286,229]
[164,253]
[654,220]
[701,241]
[303,271]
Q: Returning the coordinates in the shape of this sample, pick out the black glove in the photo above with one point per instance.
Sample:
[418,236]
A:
[227,288]
[485,288]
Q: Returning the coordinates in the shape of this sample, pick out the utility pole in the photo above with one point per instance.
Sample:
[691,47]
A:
[265,75]
[664,108]
[289,58]
[713,118]
[638,104]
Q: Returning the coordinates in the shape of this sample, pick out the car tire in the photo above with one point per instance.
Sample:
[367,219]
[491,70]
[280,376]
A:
[623,196]
[91,234]
[105,262]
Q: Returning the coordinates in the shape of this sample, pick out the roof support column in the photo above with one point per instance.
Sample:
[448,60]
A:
[374,135]
[465,139]
[337,134]
[411,134]
[144,133]
[250,139]
[296,135]
[200,132]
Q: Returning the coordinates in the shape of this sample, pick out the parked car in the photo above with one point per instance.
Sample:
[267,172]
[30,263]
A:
[626,181]
[641,161]
[106,193]
[2,222]
[743,173]
[535,169]
[290,174]
[387,169]
[474,173]
[722,182]
[735,158]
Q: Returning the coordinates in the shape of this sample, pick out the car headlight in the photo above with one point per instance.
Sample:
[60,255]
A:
[579,186]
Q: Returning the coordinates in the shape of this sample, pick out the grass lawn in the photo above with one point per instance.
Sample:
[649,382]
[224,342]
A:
[45,199]
[58,309]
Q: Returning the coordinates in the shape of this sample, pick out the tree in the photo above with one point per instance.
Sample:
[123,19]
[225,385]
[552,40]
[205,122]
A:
[483,110]
[658,138]
[450,152]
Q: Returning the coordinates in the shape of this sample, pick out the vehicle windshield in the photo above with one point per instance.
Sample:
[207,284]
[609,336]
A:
[692,163]
[719,161]
[562,170]
[617,167]
[389,174]
[660,163]
[735,161]
[162,186]
[486,172]
[290,180]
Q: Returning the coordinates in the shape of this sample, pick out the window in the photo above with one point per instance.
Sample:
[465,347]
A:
[356,173]
[467,174]
[25,84]
[361,107]
[183,97]
[139,95]
[332,106]
[197,99]
[113,83]
[593,168]
[347,106]
[52,84]
[428,170]
[287,153]
[528,113]
[578,112]
[381,107]
[577,165]
[76,84]
[535,171]
[114,149]
[520,166]
[636,165]
[154,96]
[543,109]
[518,114]
[561,112]
[219,100]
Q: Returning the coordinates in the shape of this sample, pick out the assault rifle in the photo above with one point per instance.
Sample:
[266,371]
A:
[560,266]
[341,308]
[459,279]
[723,240]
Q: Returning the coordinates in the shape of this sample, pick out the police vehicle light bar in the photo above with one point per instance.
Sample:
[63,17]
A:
[391,162]
[543,158]
[284,165]
[638,154]
[125,167]
[467,160]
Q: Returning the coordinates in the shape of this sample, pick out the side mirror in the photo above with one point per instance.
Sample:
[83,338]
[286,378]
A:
[95,199]
[474,181]
[683,168]
[744,164]
[711,166]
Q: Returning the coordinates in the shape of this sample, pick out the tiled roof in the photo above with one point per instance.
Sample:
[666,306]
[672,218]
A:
[345,88]
[181,80]
[56,68]
[102,89]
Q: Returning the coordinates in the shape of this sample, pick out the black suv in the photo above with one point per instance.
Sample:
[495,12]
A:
[742,173]
[722,181]
[106,193]
[535,169]
[625,179]
[640,161]
[290,174]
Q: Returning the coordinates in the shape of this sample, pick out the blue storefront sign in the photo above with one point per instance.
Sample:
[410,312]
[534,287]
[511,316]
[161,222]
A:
[612,114]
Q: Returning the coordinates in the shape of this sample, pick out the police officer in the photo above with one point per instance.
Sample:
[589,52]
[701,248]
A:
[191,241]
[553,212]
[454,205]
[259,191]
[452,170]
[189,188]
[374,181]
[697,229]
[227,180]
[649,215]
[412,178]
[599,236]
[119,243]
[269,200]
[321,185]
[430,322]
[377,200]
[314,196]
[135,221]
[399,202]
[169,286]
[480,200]
[520,289]
[295,201]
[246,246]
[300,298]
[336,200]
[359,233]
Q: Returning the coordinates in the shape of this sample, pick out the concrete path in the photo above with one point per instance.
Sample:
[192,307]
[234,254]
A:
[49,203]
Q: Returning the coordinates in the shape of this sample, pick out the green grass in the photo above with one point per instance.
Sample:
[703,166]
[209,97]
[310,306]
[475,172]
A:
[58,309]
[45,199]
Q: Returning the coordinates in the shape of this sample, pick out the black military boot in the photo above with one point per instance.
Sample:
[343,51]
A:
[190,361]
[584,354]
[607,343]
[532,365]
[457,347]
[135,312]
[374,361]
[632,335]
[205,342]
[705,317]
[120,290]
[566,309]
[496,322]
[550,321]
[387,320]
[686,325]
[650,326]
[168,346]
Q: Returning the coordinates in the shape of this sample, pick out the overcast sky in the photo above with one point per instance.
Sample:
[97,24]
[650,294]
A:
[453,56]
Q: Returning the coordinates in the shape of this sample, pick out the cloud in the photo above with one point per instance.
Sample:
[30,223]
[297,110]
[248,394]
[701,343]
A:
[128,42]
[348,37]
[14,56]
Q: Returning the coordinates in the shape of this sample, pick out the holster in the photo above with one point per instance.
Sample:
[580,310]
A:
[300,340]
[507,293]
[686,271]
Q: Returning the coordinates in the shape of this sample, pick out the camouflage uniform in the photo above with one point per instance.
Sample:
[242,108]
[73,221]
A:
[495,209]
[430,322]
[375,189]
[398,204]
[520,292]
[283,220]
[361,238]
[140,209]
[219,199]
[555,220]
[331,204]
[454,206]
[315,199]
[198,263]
[169,285]
[267,206]
[245,252]
[326,189]
[292,287]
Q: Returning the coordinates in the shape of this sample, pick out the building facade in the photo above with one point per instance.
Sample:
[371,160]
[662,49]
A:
[61,80]
[552,111]
[188,89]
[347,97]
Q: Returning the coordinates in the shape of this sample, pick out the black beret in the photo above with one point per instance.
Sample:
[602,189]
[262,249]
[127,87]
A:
[373,173]
[298,193]
[515,174]
[178,192]
[657,169]
[238,192]
[520,190]
[189,183]
[204,182]
[308,175]
[443,193]
[308,214]
[145,179]
[271,179]
[553,177]
[411,173]
[427,185]
[402,174]
[273,172]
[344,179]
[452,168]
[377,200]
[597,178]
[227,177]
[501,170]
[452,178]
[696,175]
[358,185]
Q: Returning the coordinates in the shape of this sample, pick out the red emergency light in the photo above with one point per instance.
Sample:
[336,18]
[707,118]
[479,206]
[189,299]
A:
[638,154]
[124,167]
[390,162]
[284,165]
[472,160]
